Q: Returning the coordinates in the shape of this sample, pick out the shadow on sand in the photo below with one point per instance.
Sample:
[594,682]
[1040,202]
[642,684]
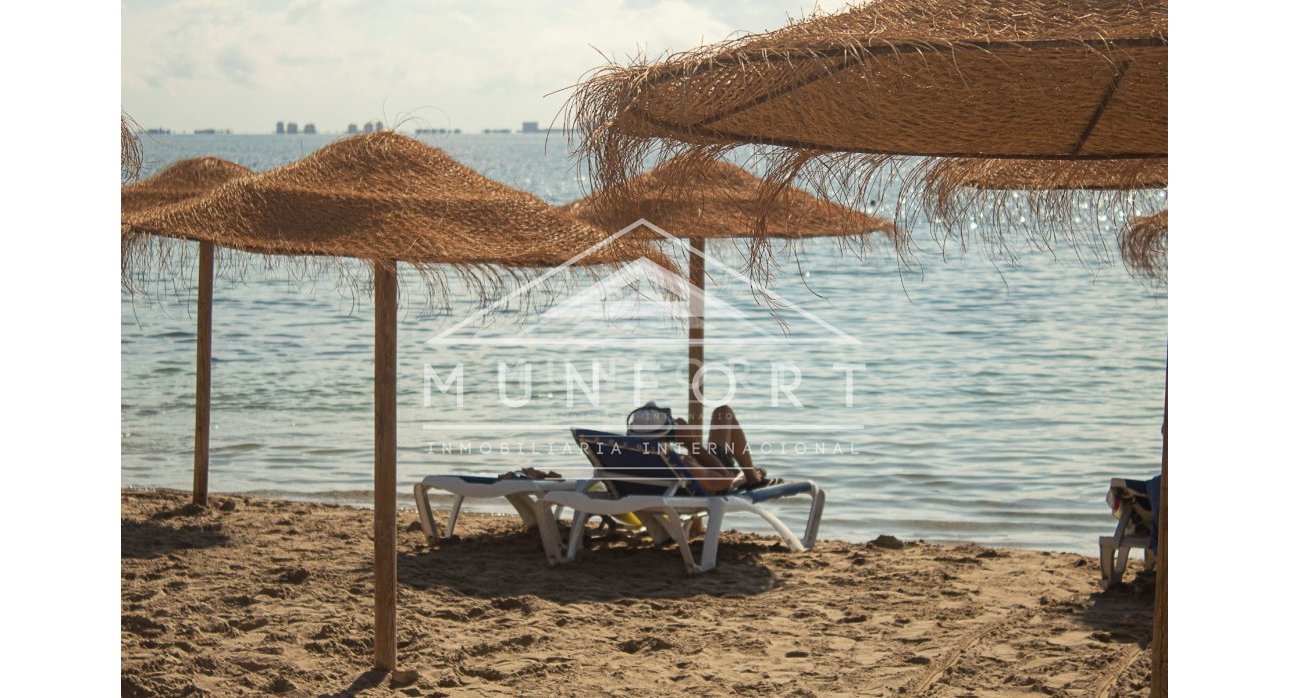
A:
[372,678]
[510,564]
[1124,612]
[148,539]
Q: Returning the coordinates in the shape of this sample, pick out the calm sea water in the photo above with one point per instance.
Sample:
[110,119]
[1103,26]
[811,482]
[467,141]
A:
[988,402]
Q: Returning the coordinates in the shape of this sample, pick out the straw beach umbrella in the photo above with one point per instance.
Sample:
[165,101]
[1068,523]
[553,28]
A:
[178,182]
[386,199]
[182,181]
[710,199]
[845,95]
[1068,79]
[841,97]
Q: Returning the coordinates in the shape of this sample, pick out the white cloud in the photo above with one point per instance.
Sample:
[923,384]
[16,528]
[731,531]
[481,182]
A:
[237,64]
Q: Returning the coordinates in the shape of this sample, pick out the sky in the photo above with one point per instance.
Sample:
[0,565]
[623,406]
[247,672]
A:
[246,64]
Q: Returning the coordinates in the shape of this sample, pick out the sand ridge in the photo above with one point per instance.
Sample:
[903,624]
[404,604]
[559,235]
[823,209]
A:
[256,596]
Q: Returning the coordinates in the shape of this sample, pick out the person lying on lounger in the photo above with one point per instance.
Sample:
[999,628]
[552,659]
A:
[722,464]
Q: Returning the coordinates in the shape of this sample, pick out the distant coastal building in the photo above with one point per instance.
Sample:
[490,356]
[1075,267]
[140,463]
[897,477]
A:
[353,128]
[206,132]
[282,128]
[436,131]
[292,129]
[309,128]
[497,130]
[158,132]
[529,127]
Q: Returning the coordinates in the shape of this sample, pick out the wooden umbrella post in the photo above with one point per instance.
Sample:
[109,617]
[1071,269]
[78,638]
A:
[202,428]
[442,206]
[696,331]
[1160,634]
[386,291]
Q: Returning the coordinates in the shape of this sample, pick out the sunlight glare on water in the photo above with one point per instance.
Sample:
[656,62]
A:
[994,403]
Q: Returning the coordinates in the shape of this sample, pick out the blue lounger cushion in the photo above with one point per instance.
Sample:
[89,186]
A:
[765,494]
[652,482]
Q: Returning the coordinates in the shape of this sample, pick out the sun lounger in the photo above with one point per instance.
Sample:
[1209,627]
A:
[654,484]
[1131,501]
[525,494]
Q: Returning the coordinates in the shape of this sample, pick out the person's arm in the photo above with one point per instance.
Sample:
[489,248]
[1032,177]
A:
[713,475]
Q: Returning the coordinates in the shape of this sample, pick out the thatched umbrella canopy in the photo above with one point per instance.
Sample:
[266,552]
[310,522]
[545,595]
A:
[383,198]
[704,199]
[842,97]
[177,183]
[1144,244]
[1083,79]
[708,199]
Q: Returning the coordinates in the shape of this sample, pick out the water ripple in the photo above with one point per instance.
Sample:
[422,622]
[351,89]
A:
[993,409]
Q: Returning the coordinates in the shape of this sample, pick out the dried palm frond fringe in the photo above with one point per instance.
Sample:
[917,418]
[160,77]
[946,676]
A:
[379,197]
[881,93]
[1094,198]
[164,267]
[951,174]
[131,153]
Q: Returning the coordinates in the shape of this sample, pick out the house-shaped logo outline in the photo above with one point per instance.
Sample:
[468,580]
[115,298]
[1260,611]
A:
[833,334]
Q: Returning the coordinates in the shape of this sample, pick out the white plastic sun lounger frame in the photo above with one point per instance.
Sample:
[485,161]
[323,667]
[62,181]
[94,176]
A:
[523,494]
[667,512]
[670,515]
[1114,549]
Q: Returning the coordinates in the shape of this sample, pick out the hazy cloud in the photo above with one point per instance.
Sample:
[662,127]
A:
[485,63]
[236,65]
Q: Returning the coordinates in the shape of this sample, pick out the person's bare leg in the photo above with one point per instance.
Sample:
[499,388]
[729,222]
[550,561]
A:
[691,439]
[715,474]
[726,433]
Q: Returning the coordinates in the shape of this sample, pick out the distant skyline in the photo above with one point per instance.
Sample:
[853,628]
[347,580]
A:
[244,65]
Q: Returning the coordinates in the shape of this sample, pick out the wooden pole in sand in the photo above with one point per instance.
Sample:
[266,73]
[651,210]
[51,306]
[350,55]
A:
[202,428]
[1160,637]
[386,291]
[696,332]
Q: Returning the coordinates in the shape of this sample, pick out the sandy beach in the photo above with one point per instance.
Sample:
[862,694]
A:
[255,596]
